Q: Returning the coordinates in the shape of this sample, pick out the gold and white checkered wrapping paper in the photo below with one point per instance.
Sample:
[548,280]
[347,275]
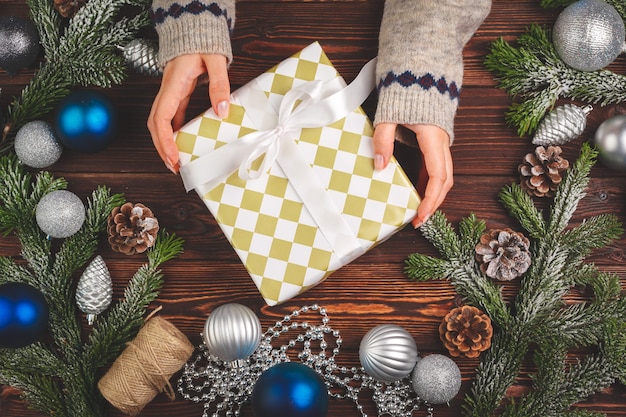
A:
[265,220]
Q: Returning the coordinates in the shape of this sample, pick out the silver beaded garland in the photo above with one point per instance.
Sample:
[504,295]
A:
[36,144]
[94,292]
[436,379]
[223,387]
[588,35]
[60,214]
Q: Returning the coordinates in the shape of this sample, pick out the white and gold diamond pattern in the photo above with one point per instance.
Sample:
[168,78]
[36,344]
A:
[265,220]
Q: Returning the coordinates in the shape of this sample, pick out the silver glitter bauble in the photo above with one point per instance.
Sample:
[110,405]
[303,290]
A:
[232,332]
[388,353]
[610,139]
[95,289]
[141,55]
[60,214]
[562,125]
[436,379]
[588,35]
[36,144]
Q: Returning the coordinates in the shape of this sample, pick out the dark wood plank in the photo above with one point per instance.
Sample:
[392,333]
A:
[373,289]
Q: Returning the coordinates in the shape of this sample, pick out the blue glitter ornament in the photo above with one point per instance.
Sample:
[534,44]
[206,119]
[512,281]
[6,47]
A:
[290,389]
[86,121]
[23,315]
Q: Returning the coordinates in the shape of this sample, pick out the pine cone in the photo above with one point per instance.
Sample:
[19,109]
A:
[68,8]
[540,174]
[132,228]
[503,254]
[466,331]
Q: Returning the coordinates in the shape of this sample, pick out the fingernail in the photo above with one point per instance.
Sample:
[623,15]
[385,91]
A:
[379,162]
[421,223]
[222,109]
[170,166]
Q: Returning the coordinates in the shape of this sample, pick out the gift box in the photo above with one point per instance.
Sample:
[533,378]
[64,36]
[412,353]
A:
[289,175]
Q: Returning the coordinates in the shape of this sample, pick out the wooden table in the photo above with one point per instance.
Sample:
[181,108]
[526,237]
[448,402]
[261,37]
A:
[373,289]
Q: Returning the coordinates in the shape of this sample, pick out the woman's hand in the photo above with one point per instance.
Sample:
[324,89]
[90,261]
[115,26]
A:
[434,143]
[180,77]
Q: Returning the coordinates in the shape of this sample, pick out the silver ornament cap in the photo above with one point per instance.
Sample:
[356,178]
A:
[36,144]
[610,139]
[436,379]
[232,332]
[388,353]
[588,35]
[60,214]
[94,292]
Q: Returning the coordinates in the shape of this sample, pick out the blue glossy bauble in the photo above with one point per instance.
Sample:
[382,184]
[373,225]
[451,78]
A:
[290,389]
[86,121]
[23,315]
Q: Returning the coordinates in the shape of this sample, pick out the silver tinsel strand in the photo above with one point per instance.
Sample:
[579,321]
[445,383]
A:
[223,387]
[95,289]
[141,55]
[562,125]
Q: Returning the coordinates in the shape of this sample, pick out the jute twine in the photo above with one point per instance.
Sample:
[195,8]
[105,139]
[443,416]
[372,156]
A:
[145,367]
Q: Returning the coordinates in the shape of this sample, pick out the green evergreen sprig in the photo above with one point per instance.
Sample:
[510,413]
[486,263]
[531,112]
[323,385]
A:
[58,375]
[619,5]
[538,315]
[83,52]
[536,77]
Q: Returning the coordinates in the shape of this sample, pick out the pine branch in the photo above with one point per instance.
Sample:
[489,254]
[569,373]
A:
[521,207]
[82,53]
[534,74]
[124,319]
[593,233]
[572,189]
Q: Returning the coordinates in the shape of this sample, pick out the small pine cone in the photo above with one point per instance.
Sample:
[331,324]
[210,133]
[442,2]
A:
[68,8]
[540,174]
[132,228]
[503,254]
[466,331]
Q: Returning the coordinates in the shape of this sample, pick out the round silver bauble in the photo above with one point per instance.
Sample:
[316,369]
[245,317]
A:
[388,353]
[60,214]
[436,379]
[610,139]
[232,332]
[36,144]
[588,35]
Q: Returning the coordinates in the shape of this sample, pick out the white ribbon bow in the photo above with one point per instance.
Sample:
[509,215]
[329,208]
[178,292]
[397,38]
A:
[313,104]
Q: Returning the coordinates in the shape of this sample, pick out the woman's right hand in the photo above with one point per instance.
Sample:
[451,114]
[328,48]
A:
[180,78]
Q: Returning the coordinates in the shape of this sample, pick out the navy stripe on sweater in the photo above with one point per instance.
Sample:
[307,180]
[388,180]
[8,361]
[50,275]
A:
[195,7]
[427,81]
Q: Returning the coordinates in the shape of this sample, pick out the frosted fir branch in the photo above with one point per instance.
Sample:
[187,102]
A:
[124,318]
[441,234]
[571,190]
[535,76]
[495,373]
[594,232]
[470,231]
[521,207]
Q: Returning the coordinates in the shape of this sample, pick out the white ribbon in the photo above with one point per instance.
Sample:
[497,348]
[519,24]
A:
[313,104]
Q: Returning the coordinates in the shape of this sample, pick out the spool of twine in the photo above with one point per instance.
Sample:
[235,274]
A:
[145,367]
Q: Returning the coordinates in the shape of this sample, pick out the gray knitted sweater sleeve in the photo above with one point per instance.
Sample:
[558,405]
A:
[193,26]
[420,65]
[420,62]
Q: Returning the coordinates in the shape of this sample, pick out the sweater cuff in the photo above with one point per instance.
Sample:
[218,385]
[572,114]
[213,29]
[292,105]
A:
[417,105]
[207,32]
